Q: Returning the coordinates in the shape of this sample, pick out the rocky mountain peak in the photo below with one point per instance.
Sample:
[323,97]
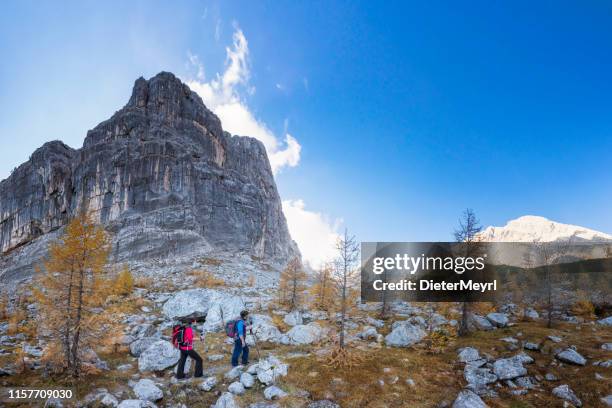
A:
[161,174]
[530,228]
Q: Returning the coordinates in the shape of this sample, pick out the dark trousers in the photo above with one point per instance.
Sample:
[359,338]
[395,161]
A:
[238,349]
[181,364]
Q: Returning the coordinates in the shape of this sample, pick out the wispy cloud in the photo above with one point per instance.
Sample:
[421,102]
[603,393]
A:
[225,95]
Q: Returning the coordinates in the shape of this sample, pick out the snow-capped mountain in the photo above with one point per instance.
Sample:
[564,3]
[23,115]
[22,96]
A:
[530,228]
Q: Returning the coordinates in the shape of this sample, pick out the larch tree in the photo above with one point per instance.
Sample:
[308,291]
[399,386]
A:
[467,234]
[550,254]
[346,295]
[292,284]
[345,279]
[72,287]
[322,290]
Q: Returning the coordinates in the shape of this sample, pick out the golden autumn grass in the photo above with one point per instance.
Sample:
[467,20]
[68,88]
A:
[437,376]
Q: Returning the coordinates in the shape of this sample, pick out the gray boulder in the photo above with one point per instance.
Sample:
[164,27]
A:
[531,313]
[138,346]
[234,373]
[478,376]
[565,393]
[236,388]
[211,304]
[509,368]
[323,404]
[404,335]
[273,392]
[226,400]
[571,356]
[247,380]
[294,318]
[208,384]
[607,400]
[158,356]
[264,329]
[606,321]
[108,400]
[467,354]
[303,334]
[136,403]
[477,322]
[468,399]
[498,319]
[146,389]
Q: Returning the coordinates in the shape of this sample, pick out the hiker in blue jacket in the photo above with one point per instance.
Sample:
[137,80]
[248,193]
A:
[240,344]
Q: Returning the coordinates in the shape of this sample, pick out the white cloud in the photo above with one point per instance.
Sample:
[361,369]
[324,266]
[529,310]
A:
[314,233]
[223,95]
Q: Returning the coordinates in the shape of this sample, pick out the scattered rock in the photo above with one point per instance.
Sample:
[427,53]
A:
[323,404]
[303,334]
[467,354]
[531,346]
[524,358]
[138,346]
[404,335]
[124,367]
[604,364]
[477,322]
[526,382]
[531,313]
[135,403]
[605,322]
[273,392]
[215,357]
[234,373]
[109,401]
[146,389]
[571,356]
[468,399]
[565,392]
[498,319]
[478,376]
[555,339]
[551,377]
[264,329]
[607,400]
[606,346]
[509,368]
[294,318]
[247,380]
[208,384]
[236,388]
[158,356]
[226,400]
[379,324]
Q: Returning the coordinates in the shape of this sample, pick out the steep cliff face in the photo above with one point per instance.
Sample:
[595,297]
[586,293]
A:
[161,174]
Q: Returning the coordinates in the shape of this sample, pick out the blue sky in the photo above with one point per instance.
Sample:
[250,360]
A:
[406,113]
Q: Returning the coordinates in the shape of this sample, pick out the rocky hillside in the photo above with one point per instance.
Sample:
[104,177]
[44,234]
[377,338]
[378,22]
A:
[161,174]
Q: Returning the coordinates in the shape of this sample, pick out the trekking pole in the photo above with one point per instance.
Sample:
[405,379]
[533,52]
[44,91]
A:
[256,347]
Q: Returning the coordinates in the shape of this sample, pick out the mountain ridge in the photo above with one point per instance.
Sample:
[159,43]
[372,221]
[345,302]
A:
[530,228]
